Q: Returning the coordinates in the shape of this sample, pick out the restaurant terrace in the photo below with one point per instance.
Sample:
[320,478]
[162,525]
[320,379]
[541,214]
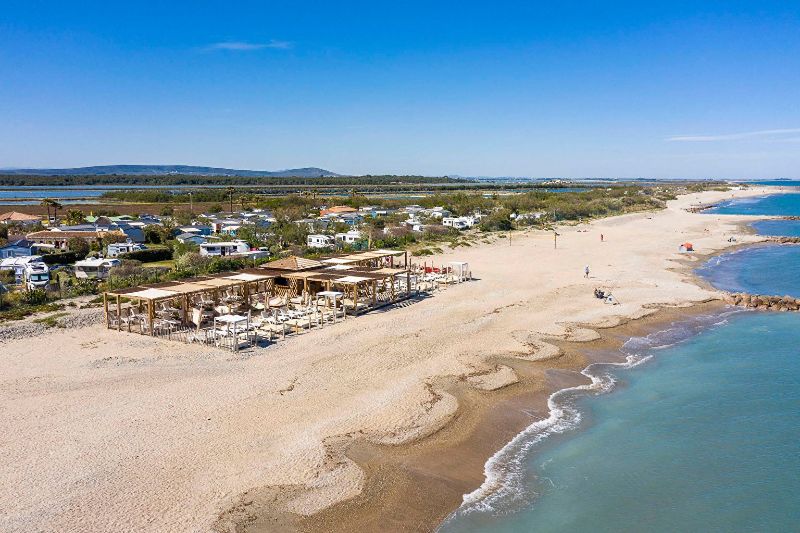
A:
[255,305]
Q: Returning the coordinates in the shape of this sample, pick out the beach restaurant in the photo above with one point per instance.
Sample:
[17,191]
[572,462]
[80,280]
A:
[283,296]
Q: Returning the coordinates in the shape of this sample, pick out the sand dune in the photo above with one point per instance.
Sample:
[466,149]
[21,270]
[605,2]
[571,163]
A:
[107,431]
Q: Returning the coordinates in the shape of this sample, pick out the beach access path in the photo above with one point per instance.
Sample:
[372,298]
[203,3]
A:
[109,431]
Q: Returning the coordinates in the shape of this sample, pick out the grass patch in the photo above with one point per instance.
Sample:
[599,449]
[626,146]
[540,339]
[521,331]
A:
[51,321]
[18,312]
[169,263]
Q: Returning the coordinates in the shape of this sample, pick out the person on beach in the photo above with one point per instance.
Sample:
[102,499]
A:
[586,272]
[601,237]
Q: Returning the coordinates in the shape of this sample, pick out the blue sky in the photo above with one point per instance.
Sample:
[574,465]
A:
[584,89]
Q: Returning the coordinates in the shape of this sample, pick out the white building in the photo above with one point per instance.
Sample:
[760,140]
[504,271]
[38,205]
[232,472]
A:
[350,237]
[318,240]
[459,222]
[225,248]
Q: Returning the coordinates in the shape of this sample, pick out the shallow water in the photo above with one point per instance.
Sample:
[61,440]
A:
[705,436]
[772,269]
[783,228]
[775,204]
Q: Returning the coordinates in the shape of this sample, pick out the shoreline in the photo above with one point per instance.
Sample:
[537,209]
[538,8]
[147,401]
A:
[325,426]
[414,480]
[428,475]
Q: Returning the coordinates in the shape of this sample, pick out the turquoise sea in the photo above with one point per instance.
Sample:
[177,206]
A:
[698,432]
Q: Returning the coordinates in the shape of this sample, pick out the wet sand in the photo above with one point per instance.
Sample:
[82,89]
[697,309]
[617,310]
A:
[414,487]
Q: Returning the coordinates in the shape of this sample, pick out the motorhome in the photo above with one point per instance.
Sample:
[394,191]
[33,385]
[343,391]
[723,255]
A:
[118,248]
[316,240]
[233,248]
[29,270]
[95,267]
[37,276]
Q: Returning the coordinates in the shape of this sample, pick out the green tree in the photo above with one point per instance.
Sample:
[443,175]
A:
[74,217]
[79,246]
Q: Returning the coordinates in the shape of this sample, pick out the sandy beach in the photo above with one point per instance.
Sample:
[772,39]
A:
[108,431]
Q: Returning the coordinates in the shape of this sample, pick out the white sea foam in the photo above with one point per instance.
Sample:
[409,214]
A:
[504,470]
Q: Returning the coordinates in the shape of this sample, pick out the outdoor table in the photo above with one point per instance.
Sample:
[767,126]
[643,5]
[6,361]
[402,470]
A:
[333,296]
[231,322]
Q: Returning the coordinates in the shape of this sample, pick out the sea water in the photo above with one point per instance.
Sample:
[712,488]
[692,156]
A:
[698,431]
[774,204]
[703,436]
[772,269]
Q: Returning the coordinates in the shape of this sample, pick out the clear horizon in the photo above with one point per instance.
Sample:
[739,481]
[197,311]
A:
[621,90]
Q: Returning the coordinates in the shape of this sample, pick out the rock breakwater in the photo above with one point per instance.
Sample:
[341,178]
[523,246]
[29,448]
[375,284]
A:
[759,301]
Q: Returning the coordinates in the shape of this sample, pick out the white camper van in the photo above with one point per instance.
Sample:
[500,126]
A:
[30,270]
[95,268]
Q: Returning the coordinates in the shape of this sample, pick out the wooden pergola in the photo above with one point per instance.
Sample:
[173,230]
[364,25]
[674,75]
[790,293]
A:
[149,295]
[367,276]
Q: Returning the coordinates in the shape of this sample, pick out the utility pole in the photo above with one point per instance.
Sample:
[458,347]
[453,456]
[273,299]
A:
[191,206]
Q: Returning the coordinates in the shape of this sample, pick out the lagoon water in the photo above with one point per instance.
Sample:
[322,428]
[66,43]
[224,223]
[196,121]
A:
[699,432]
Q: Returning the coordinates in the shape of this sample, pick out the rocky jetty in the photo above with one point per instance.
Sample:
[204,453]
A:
[785,240]
[758,301]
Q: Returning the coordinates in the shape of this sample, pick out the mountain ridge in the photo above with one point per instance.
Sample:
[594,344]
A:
[152,170]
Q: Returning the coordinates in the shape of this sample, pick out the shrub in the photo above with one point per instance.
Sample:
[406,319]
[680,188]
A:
[34,297]
[192,262]
[149,256]
[63,258]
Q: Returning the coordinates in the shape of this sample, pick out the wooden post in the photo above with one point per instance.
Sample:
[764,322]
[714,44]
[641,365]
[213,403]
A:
[119,316]
[355,299]
[374,293]
[105,307]
[151,315]
[185,309]
[408,282]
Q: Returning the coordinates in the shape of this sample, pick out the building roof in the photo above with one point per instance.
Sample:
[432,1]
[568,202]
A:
[293,263]
[56,234]
[18,243]
[337,209]
[187,235]
[15,216]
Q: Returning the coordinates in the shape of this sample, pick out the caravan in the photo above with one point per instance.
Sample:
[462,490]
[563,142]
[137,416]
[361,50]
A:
[95,268]
[30,270]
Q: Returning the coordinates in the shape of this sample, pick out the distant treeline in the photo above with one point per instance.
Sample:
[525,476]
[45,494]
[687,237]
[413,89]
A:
[12,180]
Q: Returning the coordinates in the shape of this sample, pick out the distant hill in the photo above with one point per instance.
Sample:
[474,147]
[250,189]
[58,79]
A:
[160,170]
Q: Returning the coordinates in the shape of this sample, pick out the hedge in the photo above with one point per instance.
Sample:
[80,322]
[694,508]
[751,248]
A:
[149,256]
[63,258]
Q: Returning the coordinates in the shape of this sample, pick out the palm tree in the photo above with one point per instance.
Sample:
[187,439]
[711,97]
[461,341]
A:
[231,190]
[56,206]
[47,202]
